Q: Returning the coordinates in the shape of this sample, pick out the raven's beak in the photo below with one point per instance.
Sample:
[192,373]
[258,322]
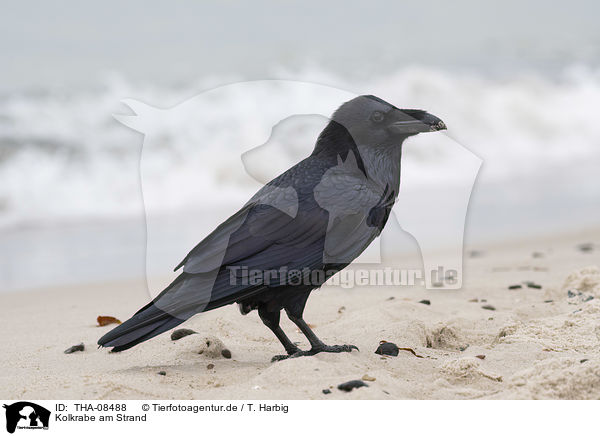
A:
[415,121]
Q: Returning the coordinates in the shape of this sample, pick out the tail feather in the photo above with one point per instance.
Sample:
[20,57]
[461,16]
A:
[187,295]
[148,322]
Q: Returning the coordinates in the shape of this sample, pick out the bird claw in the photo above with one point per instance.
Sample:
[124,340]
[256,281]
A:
[313,351]
[280,357]
[338,349]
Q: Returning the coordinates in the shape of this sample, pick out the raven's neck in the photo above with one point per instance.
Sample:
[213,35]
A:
[334,141]
[383,165]
[380,163]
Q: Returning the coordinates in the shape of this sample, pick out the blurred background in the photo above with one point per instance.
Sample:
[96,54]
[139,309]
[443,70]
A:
[518,83]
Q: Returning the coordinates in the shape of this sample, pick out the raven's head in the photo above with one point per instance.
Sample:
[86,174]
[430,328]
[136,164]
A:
[373,121]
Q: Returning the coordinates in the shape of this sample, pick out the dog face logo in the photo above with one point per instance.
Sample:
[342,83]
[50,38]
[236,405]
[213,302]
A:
[26,415]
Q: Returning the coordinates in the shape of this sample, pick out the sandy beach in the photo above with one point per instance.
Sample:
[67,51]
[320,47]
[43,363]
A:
[528,343]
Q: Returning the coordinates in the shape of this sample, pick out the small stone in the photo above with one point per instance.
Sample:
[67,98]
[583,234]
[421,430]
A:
[352,384]
[586,247]
[162,373]
[226,353]
[488,307]
[583,360]
[571,294]
[480,356]
[474,300]
[210,366]
[181,333]
[326,391]
[427,302]
[367,377]
[341,309]
[74,348]
[391,298]
[387,349]
[515,287]
[534,285]
[548,301]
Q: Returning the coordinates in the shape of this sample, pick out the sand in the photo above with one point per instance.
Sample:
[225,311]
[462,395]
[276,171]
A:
[536,344]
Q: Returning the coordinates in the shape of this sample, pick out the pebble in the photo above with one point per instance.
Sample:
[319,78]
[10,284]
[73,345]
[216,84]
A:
[480,356]
[586,248]
[162,373]
[181,333]
[74,348]
[326,391]
[352,384]
[387,349]
[515,287]
[427,302]
[226,353]
[534,285]
[488,307]
[367,377]
[210,366]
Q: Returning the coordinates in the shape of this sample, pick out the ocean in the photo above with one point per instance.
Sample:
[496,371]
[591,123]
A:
[71,203]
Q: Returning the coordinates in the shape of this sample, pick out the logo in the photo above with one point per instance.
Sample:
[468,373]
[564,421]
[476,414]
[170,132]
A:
[26,415]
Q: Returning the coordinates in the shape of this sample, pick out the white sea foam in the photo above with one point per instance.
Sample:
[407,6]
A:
[64,157]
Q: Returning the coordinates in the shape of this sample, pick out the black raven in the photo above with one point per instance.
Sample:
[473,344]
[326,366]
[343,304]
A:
[296,232]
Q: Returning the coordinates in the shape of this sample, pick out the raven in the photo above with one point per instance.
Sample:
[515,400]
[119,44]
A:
[296,232]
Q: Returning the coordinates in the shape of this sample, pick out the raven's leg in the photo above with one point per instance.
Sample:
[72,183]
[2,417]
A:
[271,320]
[294,313]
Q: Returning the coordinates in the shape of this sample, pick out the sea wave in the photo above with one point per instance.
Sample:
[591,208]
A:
[63,157]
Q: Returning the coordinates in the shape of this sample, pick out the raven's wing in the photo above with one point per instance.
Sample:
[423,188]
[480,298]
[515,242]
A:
[259,237]
[270,218]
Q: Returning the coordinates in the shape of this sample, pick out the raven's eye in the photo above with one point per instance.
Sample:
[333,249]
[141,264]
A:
[377,117]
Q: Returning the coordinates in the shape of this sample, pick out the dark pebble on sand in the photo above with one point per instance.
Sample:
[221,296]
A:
[548,301]
[427,302]
[326,391]
[480,356]
[181,333]
[534,285]
[585,248]
[488,307]
[352,384]
[387,349]
[515,287]
[162,373]
[210,366]
[74,348]
[226,353]
[583,360]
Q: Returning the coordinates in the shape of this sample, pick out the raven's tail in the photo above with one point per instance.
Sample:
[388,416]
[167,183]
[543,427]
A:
[148,322]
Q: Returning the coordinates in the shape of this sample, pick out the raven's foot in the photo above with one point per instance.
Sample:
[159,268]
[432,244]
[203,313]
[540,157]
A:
[315,350]
[291,352]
